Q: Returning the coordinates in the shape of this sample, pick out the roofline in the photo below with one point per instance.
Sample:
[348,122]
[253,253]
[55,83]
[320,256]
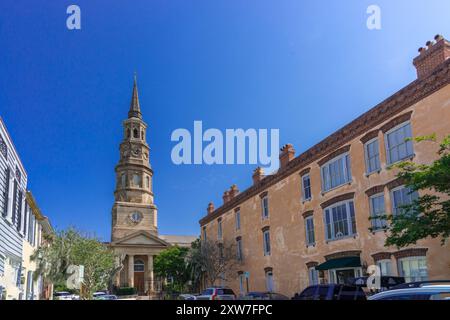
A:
[10,140]
[399,101]
[37,212]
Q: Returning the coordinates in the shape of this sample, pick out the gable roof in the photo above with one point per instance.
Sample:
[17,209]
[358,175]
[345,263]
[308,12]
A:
[141,238]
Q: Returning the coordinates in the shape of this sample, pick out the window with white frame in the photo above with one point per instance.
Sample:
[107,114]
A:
[398,143]
[265,207]
[219,229]
[336,172]
[340,220]
[269,281]
[413,268]
[242,283]
[385,266]
[306,187]
[313,275]
[372,155]
[237,217]
[266,242]
[239,255]
[221,252]
[309,226]
[400,197]
[377,210]
[204,233]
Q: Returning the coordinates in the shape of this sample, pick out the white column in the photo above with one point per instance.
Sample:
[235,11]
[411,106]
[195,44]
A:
[150,272]
[131,270]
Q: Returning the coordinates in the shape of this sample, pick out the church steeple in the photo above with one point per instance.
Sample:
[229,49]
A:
[135,108]
[134,209]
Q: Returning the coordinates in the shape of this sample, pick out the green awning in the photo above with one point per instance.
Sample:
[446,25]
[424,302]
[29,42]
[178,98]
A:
[345,262]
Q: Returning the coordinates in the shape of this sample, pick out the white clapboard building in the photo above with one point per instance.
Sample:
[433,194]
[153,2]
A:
[13,182]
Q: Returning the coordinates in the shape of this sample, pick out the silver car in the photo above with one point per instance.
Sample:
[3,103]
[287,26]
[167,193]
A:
[427,292]
[217,293]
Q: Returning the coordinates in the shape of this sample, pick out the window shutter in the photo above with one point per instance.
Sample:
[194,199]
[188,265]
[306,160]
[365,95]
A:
[19,212]
[6,194]
[25,219]
[32,286]
[14,210]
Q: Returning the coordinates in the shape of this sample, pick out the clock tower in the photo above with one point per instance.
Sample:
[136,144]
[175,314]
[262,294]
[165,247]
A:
[134,237]
[134,209]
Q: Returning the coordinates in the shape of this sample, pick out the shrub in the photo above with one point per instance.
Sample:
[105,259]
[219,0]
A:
[125,291]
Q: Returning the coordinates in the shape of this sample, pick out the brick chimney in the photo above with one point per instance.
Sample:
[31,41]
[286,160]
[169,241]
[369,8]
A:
[210,208]
[233,191]
[432,56]
[287,154]
[258,175]
[226,197]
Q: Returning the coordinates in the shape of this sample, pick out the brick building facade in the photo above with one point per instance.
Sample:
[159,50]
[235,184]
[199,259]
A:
[309,222]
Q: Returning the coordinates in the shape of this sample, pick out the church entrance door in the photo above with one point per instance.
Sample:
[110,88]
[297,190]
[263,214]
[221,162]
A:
[139,272]
[139,283]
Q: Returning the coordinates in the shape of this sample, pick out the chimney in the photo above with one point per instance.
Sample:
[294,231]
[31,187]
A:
[210,208]
[287,154]
[233,191]
[226,197]
[431,57]
[258,175]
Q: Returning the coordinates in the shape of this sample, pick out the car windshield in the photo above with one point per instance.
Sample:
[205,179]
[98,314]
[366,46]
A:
[207,292]
[225,292]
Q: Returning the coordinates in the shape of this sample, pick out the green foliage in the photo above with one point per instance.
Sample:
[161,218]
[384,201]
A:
[429,215]
[71,247]
[125,291]
[170,264]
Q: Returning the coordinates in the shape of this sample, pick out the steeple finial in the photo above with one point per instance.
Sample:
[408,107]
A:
[135,108]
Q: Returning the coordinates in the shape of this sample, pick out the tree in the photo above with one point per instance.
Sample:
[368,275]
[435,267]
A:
[212,261]
[171,264]
[429,215]
[71,247]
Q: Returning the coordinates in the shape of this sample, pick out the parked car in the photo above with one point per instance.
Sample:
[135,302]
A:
[186,296]
[63,295]
[256,295]
[217,293]
[386,283]
[98,294]
[107,297]
[331,292]
[418,284]
[427,292]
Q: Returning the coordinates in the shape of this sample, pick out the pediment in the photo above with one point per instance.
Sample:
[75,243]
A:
[141,238]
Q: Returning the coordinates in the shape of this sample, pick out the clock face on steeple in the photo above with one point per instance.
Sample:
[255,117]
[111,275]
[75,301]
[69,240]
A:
[136,217]
[136,151]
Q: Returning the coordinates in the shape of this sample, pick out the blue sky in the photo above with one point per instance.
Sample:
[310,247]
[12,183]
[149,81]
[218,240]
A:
[304,67]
